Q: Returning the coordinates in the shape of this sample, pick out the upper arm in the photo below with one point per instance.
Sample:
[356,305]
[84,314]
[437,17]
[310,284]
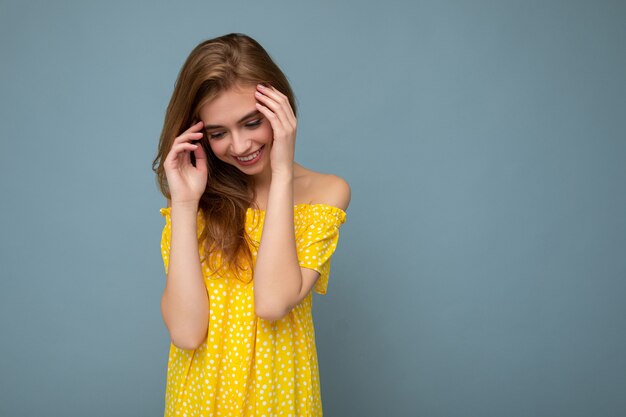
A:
[337,193]
[309,278]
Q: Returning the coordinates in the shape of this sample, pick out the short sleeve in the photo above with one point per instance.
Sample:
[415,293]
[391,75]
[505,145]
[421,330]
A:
[317,240]
[166,237]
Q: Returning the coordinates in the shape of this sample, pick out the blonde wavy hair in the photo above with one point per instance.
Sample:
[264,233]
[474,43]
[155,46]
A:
[213,66]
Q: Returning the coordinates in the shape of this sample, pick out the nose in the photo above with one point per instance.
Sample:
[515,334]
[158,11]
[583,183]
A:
[240,144]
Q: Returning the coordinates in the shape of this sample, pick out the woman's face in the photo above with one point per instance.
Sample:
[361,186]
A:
[235,128]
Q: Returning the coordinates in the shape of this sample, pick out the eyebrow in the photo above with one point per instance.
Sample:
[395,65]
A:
[247,116]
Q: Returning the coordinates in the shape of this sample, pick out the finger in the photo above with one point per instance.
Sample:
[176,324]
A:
[179,149]
[201,159]
[274,92]
[184,146]
[192,133]
[271,116]
[186,154]
[199,152]
[285,99]
[277,107]
[195,127]
[188,136]
[281,101]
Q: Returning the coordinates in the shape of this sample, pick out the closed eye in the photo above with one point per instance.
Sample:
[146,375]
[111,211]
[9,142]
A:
[254,124]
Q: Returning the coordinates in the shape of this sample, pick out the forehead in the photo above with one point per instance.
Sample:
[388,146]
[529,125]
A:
[229,106]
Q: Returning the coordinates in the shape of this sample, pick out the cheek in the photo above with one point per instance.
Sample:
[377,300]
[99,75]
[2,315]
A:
[216,147]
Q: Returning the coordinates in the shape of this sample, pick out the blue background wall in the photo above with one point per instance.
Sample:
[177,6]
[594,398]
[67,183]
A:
[482,268]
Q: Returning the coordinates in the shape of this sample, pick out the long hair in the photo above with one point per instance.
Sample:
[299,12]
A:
[213,66]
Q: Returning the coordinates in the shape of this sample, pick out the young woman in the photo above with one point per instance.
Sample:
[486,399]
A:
[248,234]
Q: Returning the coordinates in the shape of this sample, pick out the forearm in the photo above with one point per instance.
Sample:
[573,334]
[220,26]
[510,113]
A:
[277,274]
[185,304]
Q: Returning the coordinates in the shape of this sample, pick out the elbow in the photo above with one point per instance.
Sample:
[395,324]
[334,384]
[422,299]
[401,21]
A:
[188,343]
[271,313]
[183,335]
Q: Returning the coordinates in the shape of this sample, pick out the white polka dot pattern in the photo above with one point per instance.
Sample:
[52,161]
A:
[248,366]
[317,234]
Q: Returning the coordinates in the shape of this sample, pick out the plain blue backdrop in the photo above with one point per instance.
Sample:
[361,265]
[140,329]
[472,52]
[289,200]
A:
[482,267]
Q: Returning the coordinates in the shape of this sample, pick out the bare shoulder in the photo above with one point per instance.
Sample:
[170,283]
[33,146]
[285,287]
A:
[336,191]
[328,189]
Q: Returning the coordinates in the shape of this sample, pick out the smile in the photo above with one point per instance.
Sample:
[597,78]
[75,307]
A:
[250,158]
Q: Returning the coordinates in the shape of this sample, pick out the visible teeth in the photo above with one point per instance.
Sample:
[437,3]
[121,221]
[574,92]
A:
[254,155]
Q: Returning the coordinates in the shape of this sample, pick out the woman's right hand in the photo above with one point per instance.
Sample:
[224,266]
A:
[186,182]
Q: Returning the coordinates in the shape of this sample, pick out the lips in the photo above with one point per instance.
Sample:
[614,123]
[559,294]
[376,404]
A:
[254,160]
[251,153]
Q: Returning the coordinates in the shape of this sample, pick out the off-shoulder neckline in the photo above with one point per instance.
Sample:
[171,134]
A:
[324,205]
[332,208]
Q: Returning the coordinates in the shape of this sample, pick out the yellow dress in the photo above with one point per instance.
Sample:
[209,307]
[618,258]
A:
[249,366]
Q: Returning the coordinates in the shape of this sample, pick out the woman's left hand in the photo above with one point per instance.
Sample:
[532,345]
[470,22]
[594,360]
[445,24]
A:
[276,108]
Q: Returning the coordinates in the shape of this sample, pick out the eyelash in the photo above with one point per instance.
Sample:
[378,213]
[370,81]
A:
[251,125]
